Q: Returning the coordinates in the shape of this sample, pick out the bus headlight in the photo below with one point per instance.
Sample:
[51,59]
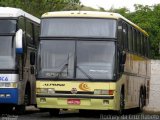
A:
[2,95]
[8,85]
[51,91]
[42,90]
[8,95]
[46,90]
[97,92]
[15,85]
[2,84]
[103,92]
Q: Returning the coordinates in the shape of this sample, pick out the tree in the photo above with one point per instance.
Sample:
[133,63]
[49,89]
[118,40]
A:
[147,17]
[38,7]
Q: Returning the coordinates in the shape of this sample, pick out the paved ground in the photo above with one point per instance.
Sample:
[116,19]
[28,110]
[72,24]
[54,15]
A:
[35,114]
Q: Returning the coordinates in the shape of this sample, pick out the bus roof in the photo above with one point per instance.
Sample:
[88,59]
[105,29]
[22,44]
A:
[16,12]
[90,14]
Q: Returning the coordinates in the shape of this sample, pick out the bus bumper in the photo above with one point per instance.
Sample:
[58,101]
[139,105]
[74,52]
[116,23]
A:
[8,96]
[83,103]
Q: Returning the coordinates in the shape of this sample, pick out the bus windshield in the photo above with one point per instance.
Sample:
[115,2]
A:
[76,60]
[7,26]
[54,56]
[96,59]
[7,59]
[78,27]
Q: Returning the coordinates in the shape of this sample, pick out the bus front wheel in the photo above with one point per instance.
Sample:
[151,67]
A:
[20,109]
[7,109]
[141,101]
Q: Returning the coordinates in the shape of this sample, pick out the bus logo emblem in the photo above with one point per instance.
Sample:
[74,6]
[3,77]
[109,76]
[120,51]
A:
[3,79]
[84,87]
[74,91]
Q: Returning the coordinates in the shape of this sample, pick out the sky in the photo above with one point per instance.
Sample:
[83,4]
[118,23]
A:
[107,4]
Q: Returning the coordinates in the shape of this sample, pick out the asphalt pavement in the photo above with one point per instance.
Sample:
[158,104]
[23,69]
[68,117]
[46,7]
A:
[33,113]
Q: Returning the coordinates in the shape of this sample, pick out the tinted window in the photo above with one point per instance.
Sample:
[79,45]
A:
[7,52]
[56,58]
[78,27]
[125,35]
[96,59]
[120,32]
[36,34]
[130,37]
[138,42]
[8,26]
[21,23]
[29,32]
[142,44]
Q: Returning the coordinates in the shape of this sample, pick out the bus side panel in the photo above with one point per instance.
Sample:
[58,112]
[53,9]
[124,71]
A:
[13,99]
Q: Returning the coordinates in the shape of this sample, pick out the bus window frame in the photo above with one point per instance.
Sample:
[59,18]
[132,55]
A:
[136,39]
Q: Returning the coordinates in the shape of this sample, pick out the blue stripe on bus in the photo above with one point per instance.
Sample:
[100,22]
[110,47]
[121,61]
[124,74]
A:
[19,50]
[11,100]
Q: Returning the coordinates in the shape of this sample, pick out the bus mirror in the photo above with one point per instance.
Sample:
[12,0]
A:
[19,39]
[32,58]
[32,69]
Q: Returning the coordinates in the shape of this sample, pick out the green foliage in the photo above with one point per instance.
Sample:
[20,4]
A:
[148,18]
[85,8]
[38,7]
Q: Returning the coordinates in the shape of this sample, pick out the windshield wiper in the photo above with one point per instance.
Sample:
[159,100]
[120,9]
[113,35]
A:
[63,68]
[88,76]
[61,71]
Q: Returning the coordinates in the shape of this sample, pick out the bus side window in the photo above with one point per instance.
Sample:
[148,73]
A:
[36,34]
[133,40]
[22,25]
[29,32]
[142,45]
[148,48]
[138,42]
[130,37]
[145,47]
[125,36]
[120,39]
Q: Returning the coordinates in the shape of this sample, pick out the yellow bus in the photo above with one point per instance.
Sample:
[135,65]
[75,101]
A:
[91,61]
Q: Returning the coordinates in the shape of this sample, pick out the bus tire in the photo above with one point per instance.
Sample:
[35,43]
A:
[20,109]
[83,112]
[141,101]
[7,109]
[27,96]
[54,112]
[145,96]
[121,104]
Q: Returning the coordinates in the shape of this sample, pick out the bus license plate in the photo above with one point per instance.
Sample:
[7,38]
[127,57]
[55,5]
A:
[74,101]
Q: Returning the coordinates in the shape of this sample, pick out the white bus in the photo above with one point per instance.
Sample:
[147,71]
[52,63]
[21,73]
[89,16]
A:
[19,32]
